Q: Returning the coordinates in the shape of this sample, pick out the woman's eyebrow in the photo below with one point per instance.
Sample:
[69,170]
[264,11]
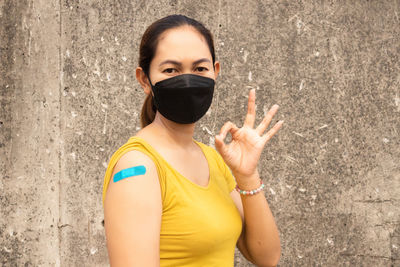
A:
[169,61]
[174,62]
[201,61]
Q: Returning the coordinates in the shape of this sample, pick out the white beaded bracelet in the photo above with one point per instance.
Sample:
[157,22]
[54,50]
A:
[251,192]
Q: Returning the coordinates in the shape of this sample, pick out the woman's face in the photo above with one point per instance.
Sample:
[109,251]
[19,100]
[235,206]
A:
[182,50]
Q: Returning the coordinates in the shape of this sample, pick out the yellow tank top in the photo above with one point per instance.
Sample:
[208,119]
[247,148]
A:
[199,225]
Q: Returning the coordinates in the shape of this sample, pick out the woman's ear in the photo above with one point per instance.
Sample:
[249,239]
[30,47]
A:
[141,77]
[217,68]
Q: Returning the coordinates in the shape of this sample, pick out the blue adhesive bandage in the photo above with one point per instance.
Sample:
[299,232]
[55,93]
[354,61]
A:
[133,171]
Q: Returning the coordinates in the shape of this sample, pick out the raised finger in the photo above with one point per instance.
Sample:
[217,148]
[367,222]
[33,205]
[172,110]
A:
[266,137]
[251,109]
[267,119]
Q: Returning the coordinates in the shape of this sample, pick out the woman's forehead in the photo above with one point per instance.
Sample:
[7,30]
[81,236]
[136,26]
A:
[182,43]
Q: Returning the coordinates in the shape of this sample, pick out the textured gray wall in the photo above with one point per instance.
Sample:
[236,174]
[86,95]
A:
[69,99]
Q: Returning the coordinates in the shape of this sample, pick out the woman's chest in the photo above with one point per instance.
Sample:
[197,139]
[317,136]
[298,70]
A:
[199,221]
[192,165]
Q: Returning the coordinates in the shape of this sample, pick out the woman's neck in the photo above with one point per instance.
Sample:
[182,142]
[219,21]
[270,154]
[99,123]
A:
[175,133]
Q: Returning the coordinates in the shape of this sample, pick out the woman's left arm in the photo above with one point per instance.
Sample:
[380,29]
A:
[259,240]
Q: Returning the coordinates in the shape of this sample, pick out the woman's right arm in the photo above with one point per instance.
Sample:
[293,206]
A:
[132,214]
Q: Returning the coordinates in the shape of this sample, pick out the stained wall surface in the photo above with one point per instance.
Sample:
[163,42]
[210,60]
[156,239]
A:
[69,99]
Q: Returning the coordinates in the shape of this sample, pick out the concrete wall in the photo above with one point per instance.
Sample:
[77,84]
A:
[69,99]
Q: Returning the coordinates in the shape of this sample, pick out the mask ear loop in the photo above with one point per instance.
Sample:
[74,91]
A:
[152,93]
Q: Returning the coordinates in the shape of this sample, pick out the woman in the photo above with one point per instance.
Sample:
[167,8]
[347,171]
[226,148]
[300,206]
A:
[170,200]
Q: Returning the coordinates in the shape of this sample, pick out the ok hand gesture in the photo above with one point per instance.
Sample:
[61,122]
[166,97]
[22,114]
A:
[243,152]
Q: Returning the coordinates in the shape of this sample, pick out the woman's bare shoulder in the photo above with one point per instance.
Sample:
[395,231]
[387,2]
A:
[132,211]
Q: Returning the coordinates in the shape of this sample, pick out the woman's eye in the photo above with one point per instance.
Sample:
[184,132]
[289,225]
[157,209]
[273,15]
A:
[169,70]
[201,69]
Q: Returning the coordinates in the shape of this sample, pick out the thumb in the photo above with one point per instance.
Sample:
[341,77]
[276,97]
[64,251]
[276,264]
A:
[220,145]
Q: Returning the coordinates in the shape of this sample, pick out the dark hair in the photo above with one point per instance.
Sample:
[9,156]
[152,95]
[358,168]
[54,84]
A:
[148,47]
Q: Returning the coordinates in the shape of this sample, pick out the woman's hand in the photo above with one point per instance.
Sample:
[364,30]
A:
[243,152]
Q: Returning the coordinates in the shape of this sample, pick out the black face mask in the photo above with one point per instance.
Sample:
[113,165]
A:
[184,98]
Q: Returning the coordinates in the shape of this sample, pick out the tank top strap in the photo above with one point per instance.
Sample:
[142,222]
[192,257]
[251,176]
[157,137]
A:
[139,144]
